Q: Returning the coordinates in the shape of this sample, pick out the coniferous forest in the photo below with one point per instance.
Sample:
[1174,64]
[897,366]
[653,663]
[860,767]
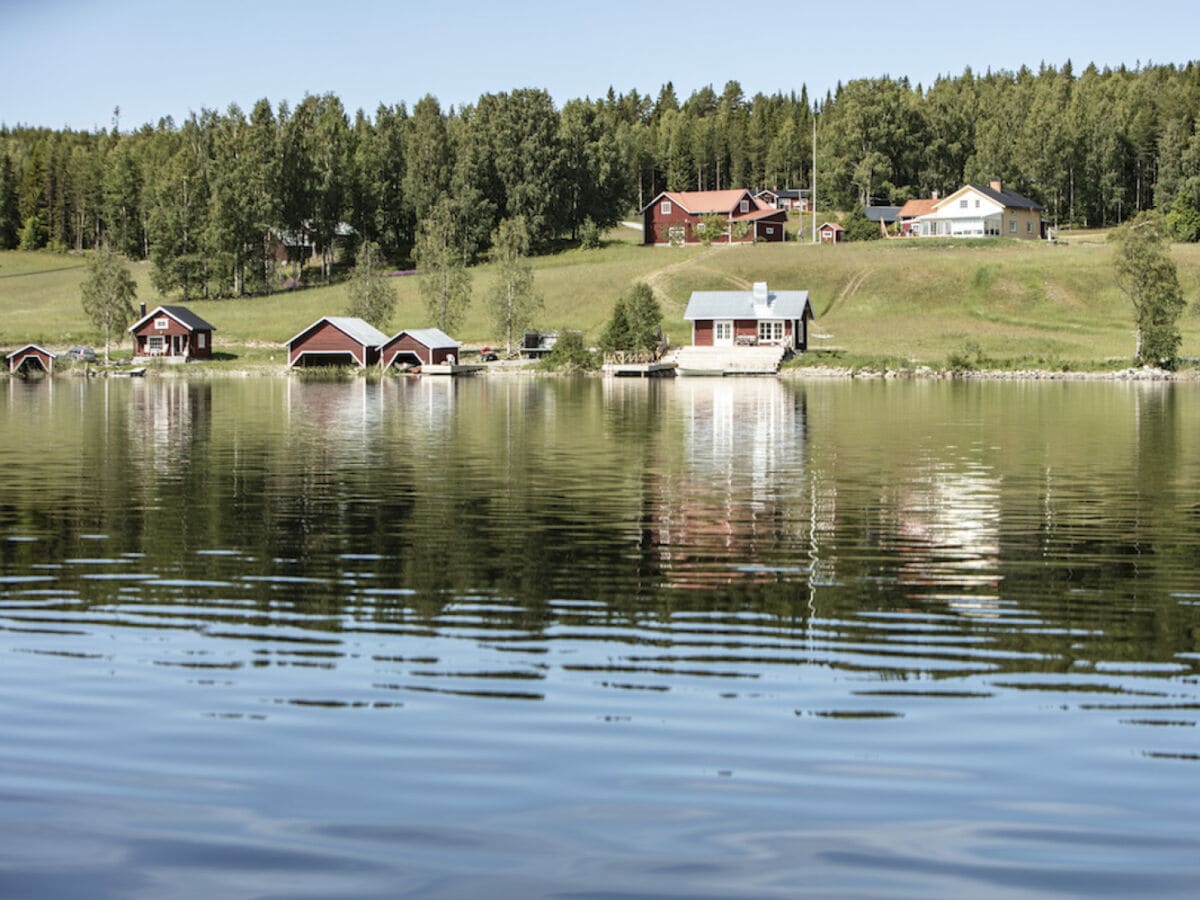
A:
[205,199]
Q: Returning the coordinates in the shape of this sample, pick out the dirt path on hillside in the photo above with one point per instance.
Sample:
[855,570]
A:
[657,278]
[851,288]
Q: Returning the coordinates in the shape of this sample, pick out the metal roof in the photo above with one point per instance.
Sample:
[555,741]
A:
[433,338]
[1006,198]
[746,305]
[31,347]
[882,213]
[357,329]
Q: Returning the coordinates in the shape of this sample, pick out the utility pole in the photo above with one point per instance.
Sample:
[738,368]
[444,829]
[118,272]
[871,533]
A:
[812,198]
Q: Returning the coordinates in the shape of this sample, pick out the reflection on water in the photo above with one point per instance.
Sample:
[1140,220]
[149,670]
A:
[708,637]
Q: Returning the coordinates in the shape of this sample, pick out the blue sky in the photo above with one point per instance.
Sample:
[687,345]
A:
[65,63]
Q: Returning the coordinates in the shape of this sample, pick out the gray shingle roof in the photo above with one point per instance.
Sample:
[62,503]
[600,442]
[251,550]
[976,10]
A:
[1006,198]
[882,213]
[180,314]
[744,305]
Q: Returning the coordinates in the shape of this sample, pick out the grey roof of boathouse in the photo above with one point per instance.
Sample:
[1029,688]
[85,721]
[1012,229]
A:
[744,305]
[357,329]
[433,338]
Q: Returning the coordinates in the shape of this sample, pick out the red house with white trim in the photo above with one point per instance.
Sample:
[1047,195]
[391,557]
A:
[29,358]
[758,317]
[336,341]
[676,217]
[172,333]
[831,233]
[420,347]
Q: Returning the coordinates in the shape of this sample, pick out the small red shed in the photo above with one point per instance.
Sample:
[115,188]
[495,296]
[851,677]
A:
[29,358]
[173,333]
[336,341]
[831,233]
[421,347]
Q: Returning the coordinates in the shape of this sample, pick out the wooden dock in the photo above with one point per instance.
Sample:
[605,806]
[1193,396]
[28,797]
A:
[448,369]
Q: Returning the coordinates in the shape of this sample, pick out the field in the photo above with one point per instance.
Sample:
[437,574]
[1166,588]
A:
[916,302]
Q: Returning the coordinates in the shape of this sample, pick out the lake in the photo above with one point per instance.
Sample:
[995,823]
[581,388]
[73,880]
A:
[582,638]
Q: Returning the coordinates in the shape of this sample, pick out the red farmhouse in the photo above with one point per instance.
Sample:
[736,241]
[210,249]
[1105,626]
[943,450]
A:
[421,347]
[172,332]
[674,217]
[30,357]
[336,341]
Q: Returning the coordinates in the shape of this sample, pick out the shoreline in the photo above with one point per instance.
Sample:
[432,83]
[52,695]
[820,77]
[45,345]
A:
[501,370]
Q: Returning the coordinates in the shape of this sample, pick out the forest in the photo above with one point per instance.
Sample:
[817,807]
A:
[210,200]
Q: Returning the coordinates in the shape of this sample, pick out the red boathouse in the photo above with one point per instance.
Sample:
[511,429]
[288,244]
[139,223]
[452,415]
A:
[336,341]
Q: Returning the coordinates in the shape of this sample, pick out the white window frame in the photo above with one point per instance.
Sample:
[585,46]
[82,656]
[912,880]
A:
[770,229]
[722,332]
[744,206]
[162,323]
[962,204]
[770,331]
[200,340]
[156,345]
[664,208]
[1012,226]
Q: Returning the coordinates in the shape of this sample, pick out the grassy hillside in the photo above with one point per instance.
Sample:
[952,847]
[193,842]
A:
[1014,303]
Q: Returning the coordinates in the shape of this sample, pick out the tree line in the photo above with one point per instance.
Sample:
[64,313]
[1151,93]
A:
[204,199]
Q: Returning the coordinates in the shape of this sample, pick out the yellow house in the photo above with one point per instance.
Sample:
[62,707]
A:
[978,211]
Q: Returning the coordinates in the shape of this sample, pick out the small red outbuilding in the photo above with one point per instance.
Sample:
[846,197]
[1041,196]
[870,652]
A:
[30,357]
[421,347]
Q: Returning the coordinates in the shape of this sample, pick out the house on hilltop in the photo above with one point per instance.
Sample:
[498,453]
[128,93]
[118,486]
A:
[981,211]
[676,217]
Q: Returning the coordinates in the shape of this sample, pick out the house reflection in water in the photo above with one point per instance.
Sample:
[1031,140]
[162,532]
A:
[741,488]
[167,419]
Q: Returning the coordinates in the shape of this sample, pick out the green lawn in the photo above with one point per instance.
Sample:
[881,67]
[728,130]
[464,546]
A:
[1011,303]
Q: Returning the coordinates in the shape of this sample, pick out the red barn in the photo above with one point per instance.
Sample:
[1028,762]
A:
[336,341]
[675,217]
[421,347]
[29,358]
[173,333]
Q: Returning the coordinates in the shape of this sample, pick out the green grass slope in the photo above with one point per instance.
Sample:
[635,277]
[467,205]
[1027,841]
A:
[1002,302]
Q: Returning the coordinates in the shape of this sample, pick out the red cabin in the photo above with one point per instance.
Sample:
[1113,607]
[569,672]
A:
[173,333]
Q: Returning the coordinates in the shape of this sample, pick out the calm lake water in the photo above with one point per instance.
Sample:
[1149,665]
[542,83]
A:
[522,638]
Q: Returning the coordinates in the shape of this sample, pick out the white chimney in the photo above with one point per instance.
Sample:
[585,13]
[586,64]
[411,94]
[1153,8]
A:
[760,292]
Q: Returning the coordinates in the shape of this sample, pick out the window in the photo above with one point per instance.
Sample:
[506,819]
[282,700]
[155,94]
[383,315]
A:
[744,206]
[154,344]
[1012,226]
[161,324]
[962,204]
[770,230]
[770,332]
[722,332]
[977,203]
[665,207]
[200,337]
[1029,228]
